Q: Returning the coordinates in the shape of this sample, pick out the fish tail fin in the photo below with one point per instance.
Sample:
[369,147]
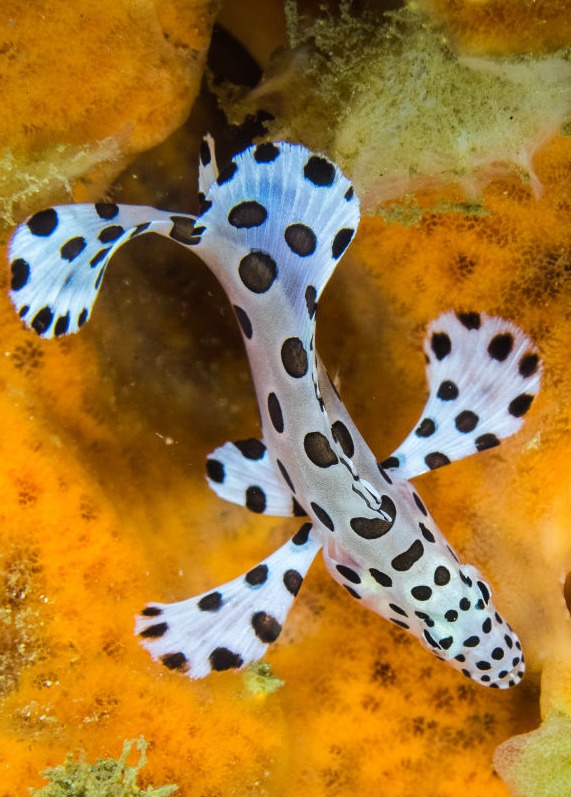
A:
[277,214]
[232,626]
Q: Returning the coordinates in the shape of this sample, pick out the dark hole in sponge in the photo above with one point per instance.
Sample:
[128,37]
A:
[567,591]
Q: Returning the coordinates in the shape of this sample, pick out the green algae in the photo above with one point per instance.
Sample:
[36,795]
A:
[538,764]
[260,680]
[408,212]
[29,182]
[20,617]
[106,778]
[387,97]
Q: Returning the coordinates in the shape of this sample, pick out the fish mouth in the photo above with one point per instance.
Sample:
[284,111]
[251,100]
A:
[493,658]
[497,673]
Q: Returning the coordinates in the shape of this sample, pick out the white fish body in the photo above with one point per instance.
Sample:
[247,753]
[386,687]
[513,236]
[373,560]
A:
[273,226]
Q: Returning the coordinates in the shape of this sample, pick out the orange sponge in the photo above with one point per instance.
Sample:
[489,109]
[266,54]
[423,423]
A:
[87,86]
[104,507]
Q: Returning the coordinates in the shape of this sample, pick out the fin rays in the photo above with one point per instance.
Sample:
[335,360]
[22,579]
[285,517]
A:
[232,625]
[58,259]
[483,375]
[244,474]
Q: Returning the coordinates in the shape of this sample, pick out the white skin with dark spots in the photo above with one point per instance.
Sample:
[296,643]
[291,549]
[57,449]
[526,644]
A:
[274,225]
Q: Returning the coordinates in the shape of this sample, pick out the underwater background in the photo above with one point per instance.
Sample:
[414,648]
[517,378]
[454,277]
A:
[453,119]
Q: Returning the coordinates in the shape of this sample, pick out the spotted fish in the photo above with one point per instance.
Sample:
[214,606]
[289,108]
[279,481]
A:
[273,225]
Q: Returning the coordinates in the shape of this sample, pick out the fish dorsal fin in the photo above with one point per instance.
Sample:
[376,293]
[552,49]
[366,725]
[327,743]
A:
[58,259]
[483,374]
[230,626]
[243,473]
[277,215]
[207,166]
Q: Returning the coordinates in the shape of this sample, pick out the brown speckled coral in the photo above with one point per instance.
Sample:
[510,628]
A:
[103,439]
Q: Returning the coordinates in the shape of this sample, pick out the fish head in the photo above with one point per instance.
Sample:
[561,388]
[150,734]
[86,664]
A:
[467,631]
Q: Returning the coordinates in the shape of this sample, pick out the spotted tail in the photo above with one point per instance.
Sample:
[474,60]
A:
[276,213]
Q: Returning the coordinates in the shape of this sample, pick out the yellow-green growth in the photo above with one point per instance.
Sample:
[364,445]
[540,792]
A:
[106,778]
[260,680]
[389,100]
[20,612]
[538,764]
[30,183]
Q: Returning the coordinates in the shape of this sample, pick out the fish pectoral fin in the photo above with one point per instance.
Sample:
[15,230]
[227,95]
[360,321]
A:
[231,626]
[243,473]
[483,374]
[58,258]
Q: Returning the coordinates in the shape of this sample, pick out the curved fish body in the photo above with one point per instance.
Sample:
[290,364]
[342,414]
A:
[273,226]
